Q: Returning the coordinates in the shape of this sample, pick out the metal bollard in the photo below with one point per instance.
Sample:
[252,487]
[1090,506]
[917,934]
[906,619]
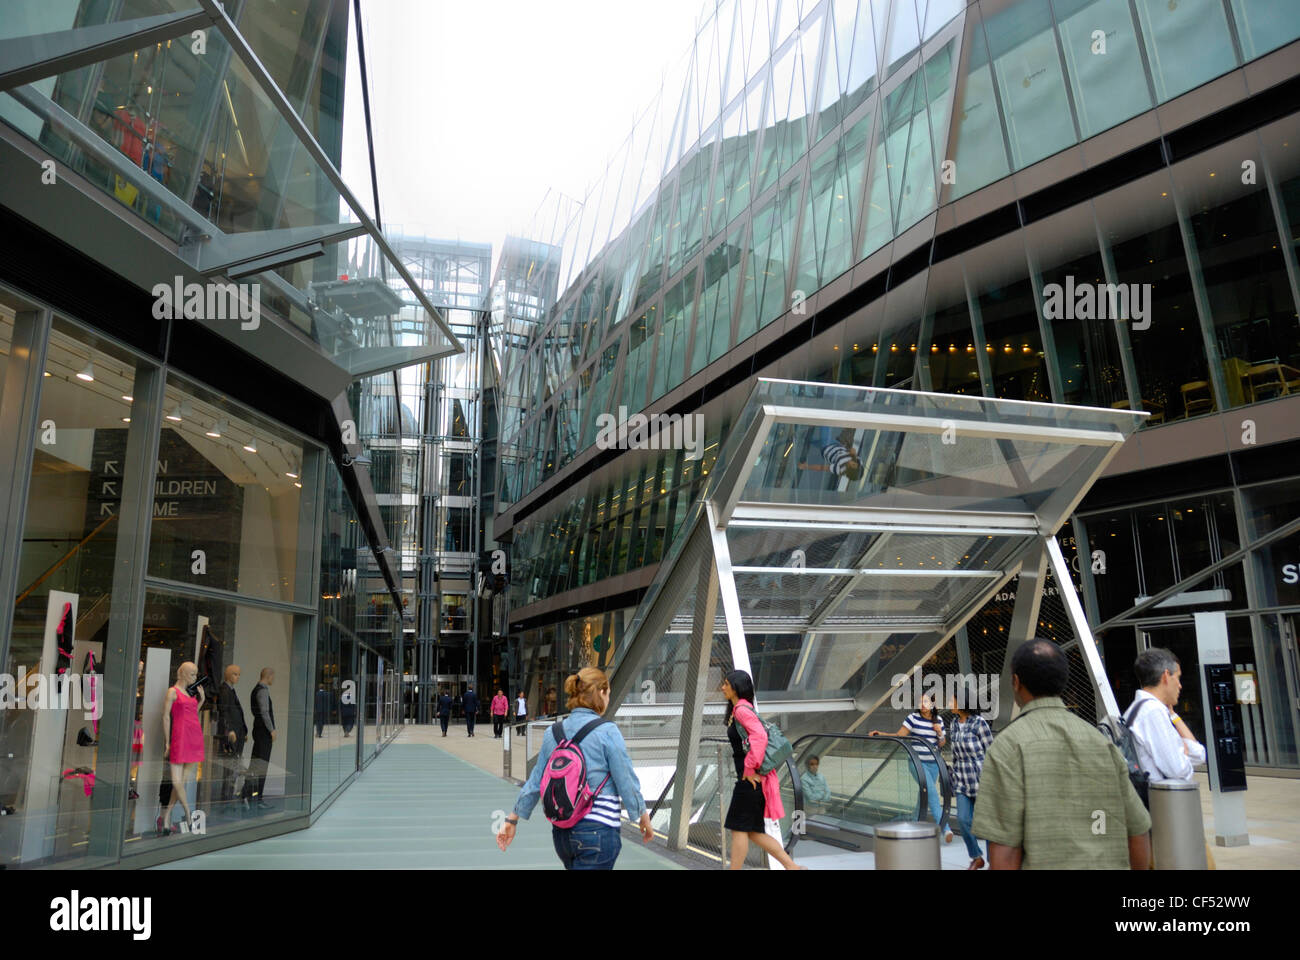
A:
[910,845]
[1177,829]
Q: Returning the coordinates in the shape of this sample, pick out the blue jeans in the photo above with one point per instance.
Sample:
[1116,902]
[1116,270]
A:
[931,788]
[587,846]
[966,814]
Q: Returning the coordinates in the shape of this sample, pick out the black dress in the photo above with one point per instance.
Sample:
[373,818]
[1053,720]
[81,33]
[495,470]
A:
[747,801]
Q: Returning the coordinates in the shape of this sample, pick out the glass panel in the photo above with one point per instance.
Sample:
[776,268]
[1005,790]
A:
[713,324]
[1246,284]
[771,250]
[1008,315]
[1063,248]
[637,365]
[1109,83]
[1022,42]
[947,362]
[1263,26]
[1187,43]
[228,485]
[879,228]
[334,703]
[980,153]
[1140,226]
[204,768]
[61,612]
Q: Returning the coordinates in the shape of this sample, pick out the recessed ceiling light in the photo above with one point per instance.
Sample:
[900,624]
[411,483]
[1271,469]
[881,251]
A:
[88,374]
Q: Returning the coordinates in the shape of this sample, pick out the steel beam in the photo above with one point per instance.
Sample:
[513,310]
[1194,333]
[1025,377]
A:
[26,59]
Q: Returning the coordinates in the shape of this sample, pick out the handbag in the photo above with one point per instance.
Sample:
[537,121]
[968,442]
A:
[778,747]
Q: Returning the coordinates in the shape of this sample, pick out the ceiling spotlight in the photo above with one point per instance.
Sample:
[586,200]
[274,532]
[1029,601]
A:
[128,398]
[47,373]
[88,374]
[126,419]
[176,415]
[251,446]
[216,429]
[297,484]
[292,476]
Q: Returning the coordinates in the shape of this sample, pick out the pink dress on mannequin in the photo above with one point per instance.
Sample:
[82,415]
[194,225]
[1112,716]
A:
[187,732]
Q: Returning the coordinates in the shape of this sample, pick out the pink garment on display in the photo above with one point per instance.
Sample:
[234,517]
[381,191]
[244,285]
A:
[754,759]
[187,732]
[87,778]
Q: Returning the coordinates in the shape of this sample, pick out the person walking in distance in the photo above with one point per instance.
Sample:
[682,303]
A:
[263,736]
[754,797]
[471,709]
[500,707]
[923,724]
[593,843]
[444,709]
[1050,778]
[232,731]
[521,708]
[971,736]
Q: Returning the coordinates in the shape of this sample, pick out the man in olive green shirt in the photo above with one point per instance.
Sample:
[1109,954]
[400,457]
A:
[1054,792]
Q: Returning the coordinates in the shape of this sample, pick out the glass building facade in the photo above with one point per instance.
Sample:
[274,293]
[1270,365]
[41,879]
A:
[199,320]
[1076,202]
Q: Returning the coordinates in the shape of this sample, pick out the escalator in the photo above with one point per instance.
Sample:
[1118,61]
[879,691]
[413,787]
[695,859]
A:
[869,781]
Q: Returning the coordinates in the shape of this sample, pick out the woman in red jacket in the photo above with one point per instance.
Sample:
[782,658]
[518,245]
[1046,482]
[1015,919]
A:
[754,797]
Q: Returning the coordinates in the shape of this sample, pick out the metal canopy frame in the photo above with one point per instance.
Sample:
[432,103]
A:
[703,593]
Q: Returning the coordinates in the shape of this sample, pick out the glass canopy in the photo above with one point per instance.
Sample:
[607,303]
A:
[225,155]
[847,533]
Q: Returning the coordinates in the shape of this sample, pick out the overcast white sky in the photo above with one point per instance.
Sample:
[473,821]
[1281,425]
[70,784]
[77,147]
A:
[480,106]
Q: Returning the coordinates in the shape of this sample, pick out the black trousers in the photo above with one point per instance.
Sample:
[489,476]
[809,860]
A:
[469,723]
[498,721]
[443,718]
[257,767]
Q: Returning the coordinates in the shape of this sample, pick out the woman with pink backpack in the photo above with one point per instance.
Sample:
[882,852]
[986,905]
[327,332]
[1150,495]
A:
[580,756]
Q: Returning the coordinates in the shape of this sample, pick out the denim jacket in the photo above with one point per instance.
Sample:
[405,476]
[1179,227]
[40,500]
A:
[606,754]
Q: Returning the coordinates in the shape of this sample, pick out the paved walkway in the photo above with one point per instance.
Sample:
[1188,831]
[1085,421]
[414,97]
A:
[416,806]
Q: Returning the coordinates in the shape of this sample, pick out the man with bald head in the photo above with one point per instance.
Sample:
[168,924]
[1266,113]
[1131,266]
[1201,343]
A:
[263,736]
[231,733]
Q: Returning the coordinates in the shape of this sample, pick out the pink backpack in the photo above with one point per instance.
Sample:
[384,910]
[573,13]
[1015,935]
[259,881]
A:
[566,797]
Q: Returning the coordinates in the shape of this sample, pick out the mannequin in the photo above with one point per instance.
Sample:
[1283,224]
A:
[183,738]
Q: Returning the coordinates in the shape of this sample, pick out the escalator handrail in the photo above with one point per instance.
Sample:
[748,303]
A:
[945,780]
[796,786]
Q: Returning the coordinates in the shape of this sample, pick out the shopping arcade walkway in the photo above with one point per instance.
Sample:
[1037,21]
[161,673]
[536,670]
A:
[416,807]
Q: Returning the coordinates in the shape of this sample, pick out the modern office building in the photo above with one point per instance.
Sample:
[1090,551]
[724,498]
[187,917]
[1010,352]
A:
[1067,202]
[198,317]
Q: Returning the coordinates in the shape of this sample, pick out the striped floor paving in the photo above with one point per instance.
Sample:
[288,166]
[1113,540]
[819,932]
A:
[415,807]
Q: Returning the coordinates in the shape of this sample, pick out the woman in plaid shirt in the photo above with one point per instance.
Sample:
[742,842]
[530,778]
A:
[971,736]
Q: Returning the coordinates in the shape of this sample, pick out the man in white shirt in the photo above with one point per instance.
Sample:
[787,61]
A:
[1166,748]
